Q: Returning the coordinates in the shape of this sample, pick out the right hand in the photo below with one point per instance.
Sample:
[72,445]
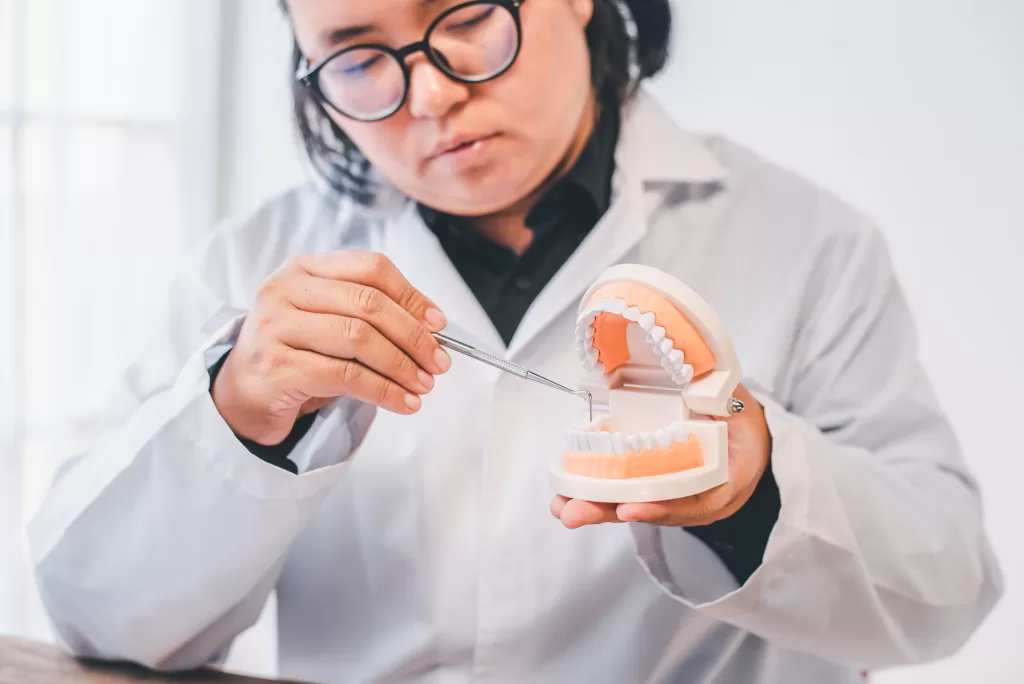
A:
[325,326]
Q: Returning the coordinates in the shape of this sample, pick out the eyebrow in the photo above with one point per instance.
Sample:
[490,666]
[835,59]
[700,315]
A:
[340,35]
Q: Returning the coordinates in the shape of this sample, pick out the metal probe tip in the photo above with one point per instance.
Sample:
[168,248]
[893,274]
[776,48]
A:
[589,398]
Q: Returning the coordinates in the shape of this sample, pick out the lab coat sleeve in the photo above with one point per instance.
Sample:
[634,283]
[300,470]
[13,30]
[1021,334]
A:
[879,556]
[162,542]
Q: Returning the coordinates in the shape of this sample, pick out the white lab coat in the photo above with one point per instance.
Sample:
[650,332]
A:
[421,548]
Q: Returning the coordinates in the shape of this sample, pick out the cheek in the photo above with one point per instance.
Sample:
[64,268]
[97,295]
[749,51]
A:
[546,92]
[384,143]
[557,71]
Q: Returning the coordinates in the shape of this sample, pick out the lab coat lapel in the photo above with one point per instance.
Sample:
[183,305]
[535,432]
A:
[419,256]
[622,227]
[652,149]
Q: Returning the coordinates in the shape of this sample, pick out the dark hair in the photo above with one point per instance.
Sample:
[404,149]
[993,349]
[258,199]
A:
[622,53]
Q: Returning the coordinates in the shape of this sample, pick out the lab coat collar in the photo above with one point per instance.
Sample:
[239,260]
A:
[419,256]
[652,149]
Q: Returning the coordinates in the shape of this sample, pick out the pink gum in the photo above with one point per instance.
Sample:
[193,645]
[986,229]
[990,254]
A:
[610,329]
[677,457]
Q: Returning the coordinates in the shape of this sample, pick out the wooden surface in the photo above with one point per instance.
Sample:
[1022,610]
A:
[26,662]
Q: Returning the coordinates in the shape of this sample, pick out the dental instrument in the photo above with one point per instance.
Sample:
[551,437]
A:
[513,368]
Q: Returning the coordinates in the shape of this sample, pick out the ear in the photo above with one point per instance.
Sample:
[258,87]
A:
[584,10]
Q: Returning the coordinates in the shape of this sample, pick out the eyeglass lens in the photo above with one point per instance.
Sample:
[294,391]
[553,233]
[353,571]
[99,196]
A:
[472,43]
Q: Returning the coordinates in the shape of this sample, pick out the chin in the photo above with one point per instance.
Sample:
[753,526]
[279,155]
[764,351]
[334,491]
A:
[488,192]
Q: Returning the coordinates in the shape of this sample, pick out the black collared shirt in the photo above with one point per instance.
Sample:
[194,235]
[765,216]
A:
[506,284]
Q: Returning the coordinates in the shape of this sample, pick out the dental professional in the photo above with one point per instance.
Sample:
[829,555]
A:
[295,427]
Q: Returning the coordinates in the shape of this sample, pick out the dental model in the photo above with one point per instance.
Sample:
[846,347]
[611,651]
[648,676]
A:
[660,364]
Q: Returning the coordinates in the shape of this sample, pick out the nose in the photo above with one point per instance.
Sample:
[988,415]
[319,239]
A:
[431,93]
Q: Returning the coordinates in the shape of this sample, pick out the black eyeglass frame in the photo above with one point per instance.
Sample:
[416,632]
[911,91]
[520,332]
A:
[310,77]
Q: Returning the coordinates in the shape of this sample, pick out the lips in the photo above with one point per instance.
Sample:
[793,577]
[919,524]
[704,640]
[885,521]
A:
[458,143]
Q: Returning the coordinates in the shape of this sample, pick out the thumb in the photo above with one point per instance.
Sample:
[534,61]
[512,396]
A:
[313,405]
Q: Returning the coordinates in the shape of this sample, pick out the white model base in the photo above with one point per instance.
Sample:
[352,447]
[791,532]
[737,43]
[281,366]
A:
[714,472]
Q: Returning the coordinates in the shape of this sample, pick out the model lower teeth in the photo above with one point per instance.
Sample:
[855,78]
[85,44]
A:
[602,442]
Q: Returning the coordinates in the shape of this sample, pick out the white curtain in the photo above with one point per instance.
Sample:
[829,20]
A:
[108,116]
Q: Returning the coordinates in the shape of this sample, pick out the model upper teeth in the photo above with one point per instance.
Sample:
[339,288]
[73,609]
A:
[671,358]
[618,306]
[595,441]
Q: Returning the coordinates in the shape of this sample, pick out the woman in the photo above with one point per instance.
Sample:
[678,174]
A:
[297,428]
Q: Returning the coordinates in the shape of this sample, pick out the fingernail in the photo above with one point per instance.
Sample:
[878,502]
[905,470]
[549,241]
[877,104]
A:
[443,361]
[435,319]
[627,515]
[413,402]
[426,379]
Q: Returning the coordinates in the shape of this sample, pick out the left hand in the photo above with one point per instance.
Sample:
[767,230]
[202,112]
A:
[749,449]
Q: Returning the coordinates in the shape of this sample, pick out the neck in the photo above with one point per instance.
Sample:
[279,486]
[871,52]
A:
[508,227]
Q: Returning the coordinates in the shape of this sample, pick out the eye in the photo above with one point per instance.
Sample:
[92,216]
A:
[468,20]
[364,65]
[356,65]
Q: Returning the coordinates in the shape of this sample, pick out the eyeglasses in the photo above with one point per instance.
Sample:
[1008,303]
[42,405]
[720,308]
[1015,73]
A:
[471,43]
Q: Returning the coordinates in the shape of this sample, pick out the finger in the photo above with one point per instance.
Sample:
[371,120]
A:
[678,511]
[721,514]
[686,512]
[577,513]
[654,513]
[375,270]
[313,405]
[352,338]
[325,376]
[557,504]
[320,295]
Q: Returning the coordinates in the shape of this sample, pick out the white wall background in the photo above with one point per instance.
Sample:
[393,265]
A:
[260,153]
[913,110]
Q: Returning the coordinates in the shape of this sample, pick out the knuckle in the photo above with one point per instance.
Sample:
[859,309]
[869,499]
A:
[410,300]
[418,336]
[349,372]
[376,264]
[270,289]
[383,392]
[355,329]
[703,506]
[269,362]
[277,289]
[295,264]
[406,367]
[264,324]
[369,301]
